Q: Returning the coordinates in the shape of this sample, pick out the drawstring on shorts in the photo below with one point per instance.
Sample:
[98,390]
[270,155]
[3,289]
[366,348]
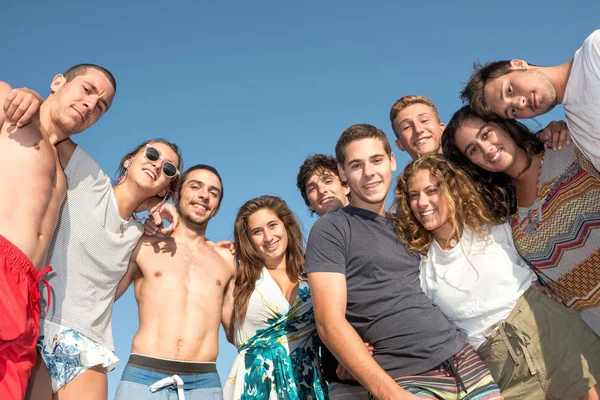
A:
[174,380]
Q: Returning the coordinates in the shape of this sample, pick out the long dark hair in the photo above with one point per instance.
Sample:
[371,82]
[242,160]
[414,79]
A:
[250,264]
[497,188]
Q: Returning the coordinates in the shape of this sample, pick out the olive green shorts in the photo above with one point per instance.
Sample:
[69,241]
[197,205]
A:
[543,350]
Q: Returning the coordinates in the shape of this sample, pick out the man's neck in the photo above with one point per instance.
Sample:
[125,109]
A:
[48,129]
[559,77]
[377,208]
[190,232]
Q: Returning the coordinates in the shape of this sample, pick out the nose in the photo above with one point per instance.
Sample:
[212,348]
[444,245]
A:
[422,202]
[267,236]
[520,102]
[321,188]
[419,127]
[368,169]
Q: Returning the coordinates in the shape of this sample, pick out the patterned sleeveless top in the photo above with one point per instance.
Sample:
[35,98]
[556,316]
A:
[559,235]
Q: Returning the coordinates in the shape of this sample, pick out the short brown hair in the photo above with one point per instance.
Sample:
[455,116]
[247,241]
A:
[315,164]
[408,101]
[359,132]
[80,69]
[473,93]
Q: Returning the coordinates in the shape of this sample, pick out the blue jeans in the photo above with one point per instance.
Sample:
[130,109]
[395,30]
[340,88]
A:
[136,382]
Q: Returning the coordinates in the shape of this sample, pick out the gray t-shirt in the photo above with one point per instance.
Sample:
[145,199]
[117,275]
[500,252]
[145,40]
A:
[385,304]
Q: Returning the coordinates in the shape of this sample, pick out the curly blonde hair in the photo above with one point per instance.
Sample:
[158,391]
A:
[462,198]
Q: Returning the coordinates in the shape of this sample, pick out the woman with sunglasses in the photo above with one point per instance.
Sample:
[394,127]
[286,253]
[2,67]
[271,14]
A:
[535,347]
[555,199]
[273,322]
[95,236]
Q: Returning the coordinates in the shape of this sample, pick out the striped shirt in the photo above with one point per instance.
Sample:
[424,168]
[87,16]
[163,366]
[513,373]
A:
[89,252]
[559,235]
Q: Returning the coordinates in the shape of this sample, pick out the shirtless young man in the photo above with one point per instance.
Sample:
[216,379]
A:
[180,286]
[33,188]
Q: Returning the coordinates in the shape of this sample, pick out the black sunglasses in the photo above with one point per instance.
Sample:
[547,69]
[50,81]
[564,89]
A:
[152,154]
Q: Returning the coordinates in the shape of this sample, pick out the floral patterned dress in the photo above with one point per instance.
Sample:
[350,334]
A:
[277,347]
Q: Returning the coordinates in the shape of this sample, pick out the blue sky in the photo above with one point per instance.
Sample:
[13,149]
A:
[254,87]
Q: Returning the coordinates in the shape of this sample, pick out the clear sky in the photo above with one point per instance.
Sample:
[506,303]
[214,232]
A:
[254,87]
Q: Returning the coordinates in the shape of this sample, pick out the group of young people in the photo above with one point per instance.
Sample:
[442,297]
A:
[481,281]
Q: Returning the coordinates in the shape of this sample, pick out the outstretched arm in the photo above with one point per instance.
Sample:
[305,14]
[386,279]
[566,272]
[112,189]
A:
[329,299]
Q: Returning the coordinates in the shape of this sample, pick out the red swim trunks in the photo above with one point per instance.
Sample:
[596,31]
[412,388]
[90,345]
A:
[19,319]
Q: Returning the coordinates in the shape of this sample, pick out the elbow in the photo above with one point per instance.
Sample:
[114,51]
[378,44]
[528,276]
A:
[325,326]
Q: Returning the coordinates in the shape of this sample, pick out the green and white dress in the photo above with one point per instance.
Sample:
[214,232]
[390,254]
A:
[277,347]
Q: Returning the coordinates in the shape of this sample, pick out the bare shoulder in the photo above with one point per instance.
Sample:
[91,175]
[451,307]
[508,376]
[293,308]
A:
[5,89]
[225,253]
[156,244]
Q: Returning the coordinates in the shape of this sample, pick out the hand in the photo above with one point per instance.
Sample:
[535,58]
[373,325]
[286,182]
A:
[343,374]
[547,291]
[154,224]
[227,244]
[556,134]
[21,105]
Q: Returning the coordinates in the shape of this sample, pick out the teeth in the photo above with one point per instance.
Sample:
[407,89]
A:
[421,141]
[496,156]
[427,213]
[327,200]
[150,174]
[272,245]
[371,185]
[199,206]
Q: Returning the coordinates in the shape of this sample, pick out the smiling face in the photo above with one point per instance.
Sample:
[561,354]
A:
[77,104]
[368,170]
[325,192]
[428,205]
[148,175]
[488,145]
[418,130]
[524,93]
[199,197]
[268,236]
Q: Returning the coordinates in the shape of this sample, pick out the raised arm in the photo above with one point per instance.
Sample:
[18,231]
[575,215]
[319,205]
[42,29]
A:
[329,299]
[18,105]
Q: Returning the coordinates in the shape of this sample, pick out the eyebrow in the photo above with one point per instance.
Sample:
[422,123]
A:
[503,99]
[95,90]
[419,115]
[476,137]
[204,184]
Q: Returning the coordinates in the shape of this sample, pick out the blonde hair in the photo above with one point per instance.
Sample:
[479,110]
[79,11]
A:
[462,198]
[408,101]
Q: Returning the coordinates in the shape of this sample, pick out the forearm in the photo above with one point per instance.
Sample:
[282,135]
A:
[347,346]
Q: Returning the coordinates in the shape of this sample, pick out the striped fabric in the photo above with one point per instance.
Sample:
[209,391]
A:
[444,381]
[559,235]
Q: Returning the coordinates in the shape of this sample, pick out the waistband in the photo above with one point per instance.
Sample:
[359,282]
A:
[171,367]
[18,260]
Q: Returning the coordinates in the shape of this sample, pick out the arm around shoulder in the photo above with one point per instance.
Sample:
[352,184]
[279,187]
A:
[5,89]
[131,269]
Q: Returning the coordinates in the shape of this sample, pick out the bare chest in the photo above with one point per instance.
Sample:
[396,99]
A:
[191,269]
